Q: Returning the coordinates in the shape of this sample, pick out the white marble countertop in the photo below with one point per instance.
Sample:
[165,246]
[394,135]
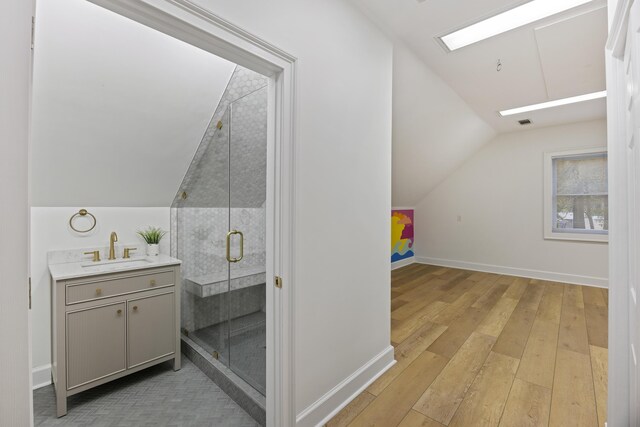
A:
[72,270]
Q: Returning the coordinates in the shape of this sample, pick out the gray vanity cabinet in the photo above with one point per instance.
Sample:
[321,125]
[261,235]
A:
[109,325]
[96,339]
[150,317]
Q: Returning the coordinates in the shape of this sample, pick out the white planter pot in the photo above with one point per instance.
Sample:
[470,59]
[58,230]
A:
[153,250]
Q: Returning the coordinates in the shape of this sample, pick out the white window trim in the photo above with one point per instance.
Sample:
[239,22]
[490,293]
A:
[548,199]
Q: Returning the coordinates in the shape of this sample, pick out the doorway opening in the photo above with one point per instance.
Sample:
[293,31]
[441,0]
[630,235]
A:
[268,317]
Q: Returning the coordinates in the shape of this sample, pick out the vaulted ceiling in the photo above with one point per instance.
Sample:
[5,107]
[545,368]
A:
[556,57]
[96,80]
[119,109]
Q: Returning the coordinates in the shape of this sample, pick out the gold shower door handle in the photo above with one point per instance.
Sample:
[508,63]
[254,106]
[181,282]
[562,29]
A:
[229,234]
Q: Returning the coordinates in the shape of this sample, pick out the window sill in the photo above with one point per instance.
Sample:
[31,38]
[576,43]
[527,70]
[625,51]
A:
[577,237]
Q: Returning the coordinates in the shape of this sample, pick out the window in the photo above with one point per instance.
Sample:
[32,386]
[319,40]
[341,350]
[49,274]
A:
[576,195]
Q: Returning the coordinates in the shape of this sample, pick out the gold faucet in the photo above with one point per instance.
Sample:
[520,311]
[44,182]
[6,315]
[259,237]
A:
[112,240]
[127,252]
[96,255]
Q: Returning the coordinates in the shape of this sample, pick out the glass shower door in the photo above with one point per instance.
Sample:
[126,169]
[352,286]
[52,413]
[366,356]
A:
[203,221]
[247,222]
[220,229]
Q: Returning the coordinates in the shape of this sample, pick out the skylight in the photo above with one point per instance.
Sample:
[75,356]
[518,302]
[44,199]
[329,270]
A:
[556,103]
[506,21]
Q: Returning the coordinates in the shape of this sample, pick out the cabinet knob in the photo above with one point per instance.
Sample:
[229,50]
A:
[98,291]
[135,307]
[152,282]
[119,311]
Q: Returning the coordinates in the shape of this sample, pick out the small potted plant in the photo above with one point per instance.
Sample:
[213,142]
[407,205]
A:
[152,235]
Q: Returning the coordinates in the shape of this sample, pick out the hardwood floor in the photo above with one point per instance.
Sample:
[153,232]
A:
[480,349]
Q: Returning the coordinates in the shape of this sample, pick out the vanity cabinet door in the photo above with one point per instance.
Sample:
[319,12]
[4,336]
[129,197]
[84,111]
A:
[96,340]
[151,328]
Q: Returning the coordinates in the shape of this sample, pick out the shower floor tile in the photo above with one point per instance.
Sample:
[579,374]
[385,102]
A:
[247,348]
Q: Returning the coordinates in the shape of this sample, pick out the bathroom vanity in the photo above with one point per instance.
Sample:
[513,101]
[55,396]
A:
[111,319]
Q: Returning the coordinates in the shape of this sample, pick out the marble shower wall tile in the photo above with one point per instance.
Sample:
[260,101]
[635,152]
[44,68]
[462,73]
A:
[242,112]
[200,313]
[202,233]
[228,170]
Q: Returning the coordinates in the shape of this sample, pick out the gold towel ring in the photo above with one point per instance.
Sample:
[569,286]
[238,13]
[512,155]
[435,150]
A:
[82,212]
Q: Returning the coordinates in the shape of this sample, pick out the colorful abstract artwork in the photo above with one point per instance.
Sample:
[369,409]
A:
[401,234]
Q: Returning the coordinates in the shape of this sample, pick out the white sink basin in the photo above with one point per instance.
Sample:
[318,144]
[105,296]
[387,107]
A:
[116,264]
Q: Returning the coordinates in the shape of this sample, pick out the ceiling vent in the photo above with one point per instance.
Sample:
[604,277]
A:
[524,122]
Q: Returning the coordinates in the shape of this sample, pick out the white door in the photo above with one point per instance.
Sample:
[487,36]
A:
[15,90]
[632,71]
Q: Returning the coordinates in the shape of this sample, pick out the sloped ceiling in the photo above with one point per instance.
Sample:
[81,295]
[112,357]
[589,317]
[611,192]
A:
[434,130]
[119,109]
[446,104]
[572,59]
[560,56]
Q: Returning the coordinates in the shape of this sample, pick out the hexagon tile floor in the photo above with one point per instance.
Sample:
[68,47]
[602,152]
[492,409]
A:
[156,396]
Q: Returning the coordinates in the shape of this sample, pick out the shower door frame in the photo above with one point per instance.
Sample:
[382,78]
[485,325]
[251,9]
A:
[199,27]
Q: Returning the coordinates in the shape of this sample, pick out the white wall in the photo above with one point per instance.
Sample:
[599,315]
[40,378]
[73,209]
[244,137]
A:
[343,184]
[343,189]
[119,109]
[15,42]
[434,130]
[50,232]
[499,195]
[612,5]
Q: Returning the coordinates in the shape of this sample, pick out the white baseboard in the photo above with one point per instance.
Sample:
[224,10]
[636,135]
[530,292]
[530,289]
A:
[41,376]
[599,282]
[325,408]
[403,263]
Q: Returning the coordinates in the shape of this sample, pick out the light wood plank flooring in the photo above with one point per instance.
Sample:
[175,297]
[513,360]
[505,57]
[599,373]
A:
[480,349]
